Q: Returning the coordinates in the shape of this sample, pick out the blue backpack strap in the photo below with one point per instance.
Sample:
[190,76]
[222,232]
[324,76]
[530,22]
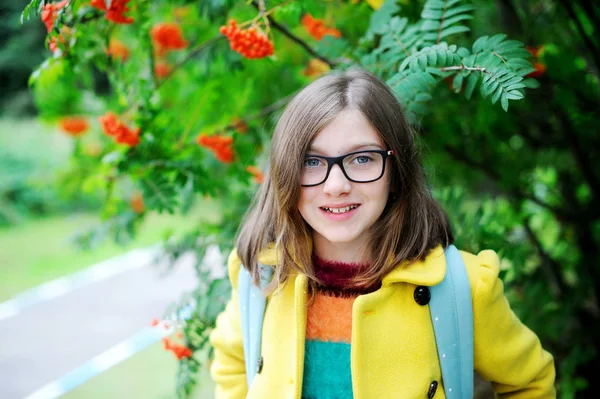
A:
[252,311]
[452,317]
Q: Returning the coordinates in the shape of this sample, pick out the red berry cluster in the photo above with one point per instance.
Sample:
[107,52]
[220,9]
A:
[167,36]
[50,12]
[317,29]
[248,42]
[119,131]
[116,10]
[180,351]
[219,145]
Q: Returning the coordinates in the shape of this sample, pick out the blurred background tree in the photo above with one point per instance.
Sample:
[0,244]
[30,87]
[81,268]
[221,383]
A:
[524,182]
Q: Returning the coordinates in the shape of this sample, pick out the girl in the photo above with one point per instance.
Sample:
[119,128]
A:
[355,238]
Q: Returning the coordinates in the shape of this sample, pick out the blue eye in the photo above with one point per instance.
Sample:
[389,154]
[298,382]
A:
[361,159]
[312,162]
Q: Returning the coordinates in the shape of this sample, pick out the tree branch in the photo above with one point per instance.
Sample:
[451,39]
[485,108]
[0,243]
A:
[592,14]
[296,39]
[461,67]
[552,267]
[579,154]
[586,39]
[263,112]
[197,50]
[515,193]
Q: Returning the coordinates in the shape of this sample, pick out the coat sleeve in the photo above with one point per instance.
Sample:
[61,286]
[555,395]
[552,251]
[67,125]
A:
[507,353]
[228,369]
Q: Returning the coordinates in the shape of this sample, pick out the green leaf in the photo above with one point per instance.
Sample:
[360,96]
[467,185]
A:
[432,14]
[312,7]
[458,10]
[430,25]
[480,44]
[472,80]
[432,58]
[187,195]
[457,82]
[514,95]
[489,88]
[33,5]
[442,58]
[451,21]
[496,39]
[453,30]
[435,71]
[289,13]
[531,83]
[496,95]
[380,19]
[423,97]
[504,102]
[516,86]
[332,47]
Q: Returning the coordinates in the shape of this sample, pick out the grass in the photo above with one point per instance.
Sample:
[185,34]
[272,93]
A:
[150,374]
[40,250]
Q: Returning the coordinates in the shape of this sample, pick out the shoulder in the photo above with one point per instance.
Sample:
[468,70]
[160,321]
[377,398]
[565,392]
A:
[484,264]
[267,256]
[483,269]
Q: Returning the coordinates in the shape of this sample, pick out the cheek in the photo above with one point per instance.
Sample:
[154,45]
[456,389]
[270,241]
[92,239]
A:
[304,202]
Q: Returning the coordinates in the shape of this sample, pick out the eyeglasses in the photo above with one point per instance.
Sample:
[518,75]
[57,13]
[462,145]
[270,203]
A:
[359,167]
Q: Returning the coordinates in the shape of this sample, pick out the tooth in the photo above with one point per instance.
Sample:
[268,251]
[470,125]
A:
[340,210]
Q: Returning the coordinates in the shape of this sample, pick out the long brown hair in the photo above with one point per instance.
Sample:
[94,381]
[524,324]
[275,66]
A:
[412,222]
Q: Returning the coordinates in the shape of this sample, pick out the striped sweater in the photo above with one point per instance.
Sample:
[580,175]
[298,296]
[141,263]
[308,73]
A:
[329,331]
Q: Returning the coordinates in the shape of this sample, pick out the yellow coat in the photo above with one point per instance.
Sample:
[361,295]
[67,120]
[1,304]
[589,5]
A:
[393,352]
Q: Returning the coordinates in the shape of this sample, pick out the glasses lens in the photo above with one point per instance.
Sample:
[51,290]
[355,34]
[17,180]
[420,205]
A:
[363,166]
[360,167]
[314,170]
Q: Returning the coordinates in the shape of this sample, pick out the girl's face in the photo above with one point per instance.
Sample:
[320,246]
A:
[341,212]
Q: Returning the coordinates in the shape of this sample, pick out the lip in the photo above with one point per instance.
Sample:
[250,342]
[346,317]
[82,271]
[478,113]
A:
[339,217]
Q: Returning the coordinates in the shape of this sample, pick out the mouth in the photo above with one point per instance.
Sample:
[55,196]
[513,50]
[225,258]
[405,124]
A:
[341,210]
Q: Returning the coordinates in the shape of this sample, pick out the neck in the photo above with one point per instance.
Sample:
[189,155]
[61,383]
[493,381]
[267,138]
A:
[339,252]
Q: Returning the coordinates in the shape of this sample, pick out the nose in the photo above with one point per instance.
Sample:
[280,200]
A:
[336,183]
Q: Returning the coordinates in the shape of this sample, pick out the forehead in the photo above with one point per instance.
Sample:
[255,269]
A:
[348,132]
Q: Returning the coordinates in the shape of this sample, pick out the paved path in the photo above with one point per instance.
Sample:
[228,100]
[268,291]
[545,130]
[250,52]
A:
[48,339]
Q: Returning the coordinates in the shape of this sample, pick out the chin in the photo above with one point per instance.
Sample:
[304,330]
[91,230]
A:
[339,238]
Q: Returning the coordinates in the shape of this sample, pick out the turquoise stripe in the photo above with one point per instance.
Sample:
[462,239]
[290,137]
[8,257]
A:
[327,371]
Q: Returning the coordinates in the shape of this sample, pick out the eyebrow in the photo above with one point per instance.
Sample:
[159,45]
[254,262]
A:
[353,148]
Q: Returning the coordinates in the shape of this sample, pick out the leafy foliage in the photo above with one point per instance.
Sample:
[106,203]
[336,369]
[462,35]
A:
[443,18]
[519,182]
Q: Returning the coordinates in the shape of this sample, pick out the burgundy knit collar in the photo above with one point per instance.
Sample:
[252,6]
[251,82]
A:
[336,277]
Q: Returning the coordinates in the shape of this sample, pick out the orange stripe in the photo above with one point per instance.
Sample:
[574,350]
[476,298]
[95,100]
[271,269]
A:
[330,319]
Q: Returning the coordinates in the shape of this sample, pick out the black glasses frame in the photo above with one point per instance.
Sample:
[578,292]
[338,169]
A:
[339,161]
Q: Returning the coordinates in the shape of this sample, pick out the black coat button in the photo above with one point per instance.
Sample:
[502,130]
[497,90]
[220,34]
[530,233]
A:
[432,389]
[259,365]
[422,295]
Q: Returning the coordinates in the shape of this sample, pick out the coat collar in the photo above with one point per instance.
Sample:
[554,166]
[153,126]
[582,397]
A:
[429,271]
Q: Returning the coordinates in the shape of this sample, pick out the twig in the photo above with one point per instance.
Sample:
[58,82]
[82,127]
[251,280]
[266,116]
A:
[461,67]
[156,191]
[593,49]
[553,267]
[579,154]
[188,128]
[296,39]
[201,47]
[263,112]
[462,157]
